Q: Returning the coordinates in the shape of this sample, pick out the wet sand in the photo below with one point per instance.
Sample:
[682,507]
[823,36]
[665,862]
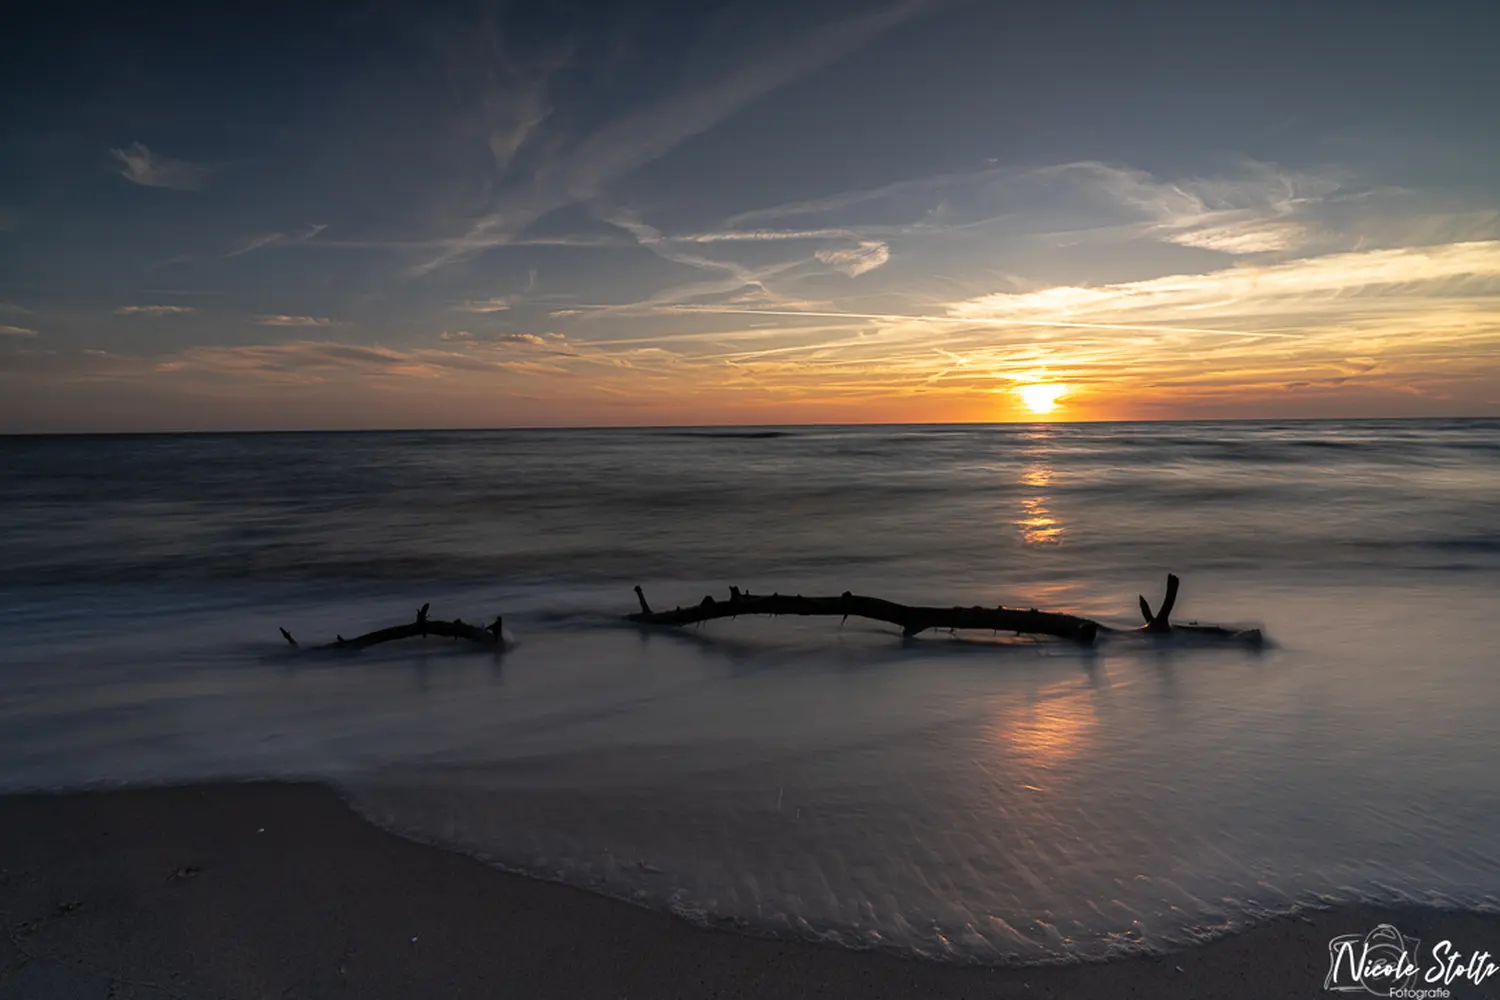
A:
[280,890]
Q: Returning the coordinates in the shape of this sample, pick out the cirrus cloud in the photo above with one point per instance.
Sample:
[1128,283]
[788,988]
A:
[314,321]
[856,260]
[139,165]
[499,304]
[1401,280]
[155,310]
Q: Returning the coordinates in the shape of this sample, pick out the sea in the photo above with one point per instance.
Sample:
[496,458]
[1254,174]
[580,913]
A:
[963,797]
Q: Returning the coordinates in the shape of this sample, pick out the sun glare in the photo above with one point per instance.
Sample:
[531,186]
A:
[1042,397]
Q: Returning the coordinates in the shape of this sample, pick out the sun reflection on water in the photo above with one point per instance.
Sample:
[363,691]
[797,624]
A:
[1047,732]
[1038,523]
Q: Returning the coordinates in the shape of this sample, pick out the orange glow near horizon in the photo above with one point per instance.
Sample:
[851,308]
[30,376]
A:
[1390,333]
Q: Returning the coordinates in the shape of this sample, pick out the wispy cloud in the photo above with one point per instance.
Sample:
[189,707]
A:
[256,242]
[848,199]
[767,235]
[495,305]
[324,361]
[1269,294]
[139,165]
[315,358]
[1246,236]
[736,282]
[464,245]
[1300,311]
[314,321]
[554,343]
[155,310]
[512,116]
[504,84]
[277,239]
[16,331]
[638,138]
[1040,321]
[1259,209]
[1408,321]
[857,260]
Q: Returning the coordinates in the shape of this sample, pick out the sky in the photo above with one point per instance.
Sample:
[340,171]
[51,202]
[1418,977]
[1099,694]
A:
[489,214]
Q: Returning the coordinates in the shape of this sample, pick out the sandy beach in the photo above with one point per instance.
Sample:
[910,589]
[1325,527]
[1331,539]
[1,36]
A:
[280,890]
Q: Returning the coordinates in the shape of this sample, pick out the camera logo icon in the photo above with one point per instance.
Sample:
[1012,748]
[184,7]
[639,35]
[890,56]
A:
[1380,962]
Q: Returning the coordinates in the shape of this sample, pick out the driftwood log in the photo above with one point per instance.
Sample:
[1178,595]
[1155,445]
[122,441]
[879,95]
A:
[914,619]
[491,635]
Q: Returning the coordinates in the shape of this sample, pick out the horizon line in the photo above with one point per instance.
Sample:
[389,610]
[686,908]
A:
[730,426]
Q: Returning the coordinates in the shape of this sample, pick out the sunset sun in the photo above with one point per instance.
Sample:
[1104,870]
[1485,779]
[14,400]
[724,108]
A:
[1042,397]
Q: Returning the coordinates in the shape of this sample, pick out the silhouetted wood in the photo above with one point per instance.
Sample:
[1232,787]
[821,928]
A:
[914,619]
[491,635]
[911,619]
[1160,623]
[1161,620]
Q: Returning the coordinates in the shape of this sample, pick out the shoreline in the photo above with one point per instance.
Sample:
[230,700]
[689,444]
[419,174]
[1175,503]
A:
[272,889]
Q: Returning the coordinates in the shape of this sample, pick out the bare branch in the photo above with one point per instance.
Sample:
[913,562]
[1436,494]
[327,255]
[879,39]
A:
[914,619]
[490,636]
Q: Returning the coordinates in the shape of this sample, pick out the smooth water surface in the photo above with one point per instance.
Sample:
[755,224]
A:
[964,797]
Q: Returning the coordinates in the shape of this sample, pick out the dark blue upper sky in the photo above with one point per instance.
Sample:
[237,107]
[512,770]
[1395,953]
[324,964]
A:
[533,207]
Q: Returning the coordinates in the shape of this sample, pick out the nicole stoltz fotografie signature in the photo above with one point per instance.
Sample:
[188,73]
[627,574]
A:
[1387,963]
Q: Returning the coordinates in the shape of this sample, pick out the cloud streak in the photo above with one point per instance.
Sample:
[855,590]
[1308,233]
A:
[315,360]
[256,243]
[309,321]
[1332,284]
[1369,325]
[277,239]
[310,362]
[857,260]
[155,310]
[1258,210]
[767,235]
[495,305]
[636,139]
[520,339]
[139,165]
